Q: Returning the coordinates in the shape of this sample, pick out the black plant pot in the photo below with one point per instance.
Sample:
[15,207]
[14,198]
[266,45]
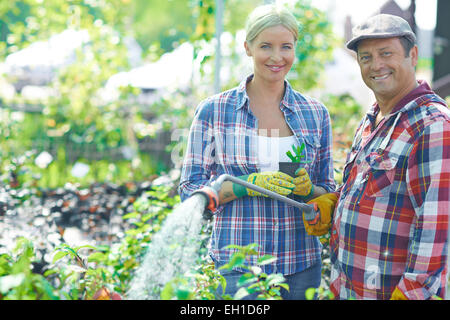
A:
[289,168]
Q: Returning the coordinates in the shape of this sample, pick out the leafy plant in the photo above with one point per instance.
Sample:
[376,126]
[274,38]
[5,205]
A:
[254,280]
[314,46]
[112,267]
[17,281]
[201,284]
[345,113]
[319,293]
[78,279]
[298,151]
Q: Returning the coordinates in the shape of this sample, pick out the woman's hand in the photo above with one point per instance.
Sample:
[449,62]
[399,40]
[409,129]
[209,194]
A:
[303,184]
[278,182]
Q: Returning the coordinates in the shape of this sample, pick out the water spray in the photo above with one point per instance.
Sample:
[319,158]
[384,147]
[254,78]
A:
[174,250]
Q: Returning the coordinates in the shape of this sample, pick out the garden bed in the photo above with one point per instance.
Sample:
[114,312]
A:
[72,215]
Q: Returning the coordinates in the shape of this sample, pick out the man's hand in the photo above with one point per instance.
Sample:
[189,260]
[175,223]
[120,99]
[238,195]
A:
[326,204]
[303,184]
[278,182]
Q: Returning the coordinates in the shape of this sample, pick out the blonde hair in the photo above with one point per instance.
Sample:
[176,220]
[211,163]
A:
[267,16]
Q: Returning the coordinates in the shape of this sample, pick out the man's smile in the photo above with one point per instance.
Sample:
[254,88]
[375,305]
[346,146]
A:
[381,76]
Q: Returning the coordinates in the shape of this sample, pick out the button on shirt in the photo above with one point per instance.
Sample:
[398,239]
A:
[390,225]
[223,139]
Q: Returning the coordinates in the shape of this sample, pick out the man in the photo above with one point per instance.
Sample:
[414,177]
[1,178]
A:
[389,229]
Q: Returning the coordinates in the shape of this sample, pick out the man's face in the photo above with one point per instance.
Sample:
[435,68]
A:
[385,68]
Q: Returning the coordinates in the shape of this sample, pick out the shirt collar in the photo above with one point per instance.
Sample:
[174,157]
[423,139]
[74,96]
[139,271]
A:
[422,89]
[243,98]
[242,93]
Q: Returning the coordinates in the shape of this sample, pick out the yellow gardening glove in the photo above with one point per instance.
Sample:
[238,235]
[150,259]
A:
[397,294]
[326,204]
[278,182]
[303,184]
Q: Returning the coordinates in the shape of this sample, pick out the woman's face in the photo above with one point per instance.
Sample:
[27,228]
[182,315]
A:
[273,53]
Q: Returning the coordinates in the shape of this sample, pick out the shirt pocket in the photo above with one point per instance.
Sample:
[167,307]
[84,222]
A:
[382,171]
[349,162]
[312,146]
[346,171]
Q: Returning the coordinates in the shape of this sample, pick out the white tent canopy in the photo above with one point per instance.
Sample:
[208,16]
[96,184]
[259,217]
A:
[38,63]
[172,69]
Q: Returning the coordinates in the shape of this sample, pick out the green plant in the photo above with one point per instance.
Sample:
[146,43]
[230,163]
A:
[17,281]
[318,293]
[86,271]
[201,284]
[122,259]
[298,151]
[314,46]
[345,113]
[254,280]
[77,278]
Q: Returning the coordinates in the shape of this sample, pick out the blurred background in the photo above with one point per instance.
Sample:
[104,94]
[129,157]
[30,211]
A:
[96,101]
[105,90]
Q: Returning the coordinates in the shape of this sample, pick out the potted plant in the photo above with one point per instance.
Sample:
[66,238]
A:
[296,162]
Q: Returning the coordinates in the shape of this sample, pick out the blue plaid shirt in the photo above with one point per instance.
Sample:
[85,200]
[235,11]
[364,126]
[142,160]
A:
[223,140]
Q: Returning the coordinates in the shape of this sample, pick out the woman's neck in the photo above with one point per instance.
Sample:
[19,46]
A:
[272,93]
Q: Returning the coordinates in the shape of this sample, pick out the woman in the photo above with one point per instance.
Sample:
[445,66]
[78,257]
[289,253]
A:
[245,132]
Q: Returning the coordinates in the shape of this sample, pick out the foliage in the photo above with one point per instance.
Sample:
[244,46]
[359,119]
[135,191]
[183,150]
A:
[204,283]
[254,280]
[156,30]
[17,281]
[201,284]
[79,272]
[113,266]
[76,118]
[314,47]
[24,171]
[318,293]
[298,151]
[345,113]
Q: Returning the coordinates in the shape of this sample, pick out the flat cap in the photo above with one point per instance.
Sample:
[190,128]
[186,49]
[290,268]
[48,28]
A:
[381,26]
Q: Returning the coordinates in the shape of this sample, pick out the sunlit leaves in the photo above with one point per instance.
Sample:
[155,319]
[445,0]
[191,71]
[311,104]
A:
[314,47]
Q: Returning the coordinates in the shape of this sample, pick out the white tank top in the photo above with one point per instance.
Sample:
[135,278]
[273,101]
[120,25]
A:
[272,150]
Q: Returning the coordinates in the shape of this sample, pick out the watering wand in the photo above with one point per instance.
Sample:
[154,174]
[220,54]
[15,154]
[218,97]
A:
[310,211]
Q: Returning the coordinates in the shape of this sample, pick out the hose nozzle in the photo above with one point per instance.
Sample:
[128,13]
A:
[212,200]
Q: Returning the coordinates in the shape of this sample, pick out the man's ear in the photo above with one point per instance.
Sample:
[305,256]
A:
[414,54]
[247,49]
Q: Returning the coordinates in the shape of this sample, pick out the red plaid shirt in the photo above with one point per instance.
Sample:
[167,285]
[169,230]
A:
[391,222]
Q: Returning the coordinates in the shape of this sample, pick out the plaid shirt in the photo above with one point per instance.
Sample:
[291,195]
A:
[223,140]
[391,221]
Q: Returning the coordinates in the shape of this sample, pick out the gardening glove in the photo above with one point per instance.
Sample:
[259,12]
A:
[303,184]
[397,294]
[326,204]
[278,182]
